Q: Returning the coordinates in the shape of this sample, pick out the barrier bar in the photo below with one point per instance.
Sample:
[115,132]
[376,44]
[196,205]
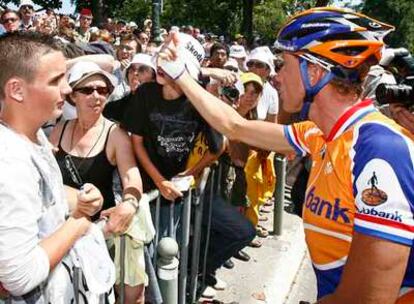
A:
[279,195]
[198,218]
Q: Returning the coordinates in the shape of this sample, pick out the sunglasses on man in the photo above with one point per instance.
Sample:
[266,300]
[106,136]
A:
[26,7]
[7,20]
[103,91]
[256,64]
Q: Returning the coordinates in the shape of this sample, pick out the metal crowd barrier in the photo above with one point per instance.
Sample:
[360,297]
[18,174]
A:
[176,290]
[279,194]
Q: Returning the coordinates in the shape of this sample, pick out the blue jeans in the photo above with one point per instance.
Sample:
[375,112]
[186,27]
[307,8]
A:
[230,232]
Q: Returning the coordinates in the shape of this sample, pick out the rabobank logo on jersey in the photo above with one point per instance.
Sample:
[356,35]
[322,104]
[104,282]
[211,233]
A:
[325,208]
[394,216]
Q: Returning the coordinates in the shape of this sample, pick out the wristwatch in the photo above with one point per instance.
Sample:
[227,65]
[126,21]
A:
[132,201]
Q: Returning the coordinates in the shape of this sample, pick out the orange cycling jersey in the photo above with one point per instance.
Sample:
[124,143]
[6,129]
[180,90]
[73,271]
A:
[362,179]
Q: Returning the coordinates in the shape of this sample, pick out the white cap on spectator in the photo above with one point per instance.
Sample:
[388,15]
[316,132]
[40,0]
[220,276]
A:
[191,52]
[263,54]
[231,62]
[26,2]
[94,29]
[237,51]
[143,59]
[174,29]
[132,24]
[83,70]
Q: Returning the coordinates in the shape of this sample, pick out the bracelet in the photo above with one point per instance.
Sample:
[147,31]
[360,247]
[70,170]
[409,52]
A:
[132,201]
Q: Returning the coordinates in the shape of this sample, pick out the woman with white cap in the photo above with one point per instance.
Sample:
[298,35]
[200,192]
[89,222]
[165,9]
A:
[91,148]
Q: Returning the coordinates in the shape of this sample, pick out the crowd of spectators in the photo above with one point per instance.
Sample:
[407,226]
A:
[126,129]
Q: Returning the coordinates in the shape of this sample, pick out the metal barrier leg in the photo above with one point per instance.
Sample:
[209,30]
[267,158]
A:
[168,270]
[157,228]
[171,227]
[280,168]
[210,212]
[122,270]
[182,285]
[76,279]
[198,218]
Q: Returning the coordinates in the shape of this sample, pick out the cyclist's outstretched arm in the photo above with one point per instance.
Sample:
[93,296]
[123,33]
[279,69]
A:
[226,120]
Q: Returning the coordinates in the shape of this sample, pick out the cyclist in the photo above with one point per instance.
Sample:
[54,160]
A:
[360,243]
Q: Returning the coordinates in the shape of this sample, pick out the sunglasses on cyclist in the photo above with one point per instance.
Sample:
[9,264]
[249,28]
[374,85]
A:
[7,20]
[89,90]
[256,64]
[26,7]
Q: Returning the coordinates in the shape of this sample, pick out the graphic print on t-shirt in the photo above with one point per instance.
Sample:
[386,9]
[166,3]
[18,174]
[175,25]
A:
[176,134]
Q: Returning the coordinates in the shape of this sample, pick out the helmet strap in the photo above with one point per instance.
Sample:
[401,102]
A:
[310,91]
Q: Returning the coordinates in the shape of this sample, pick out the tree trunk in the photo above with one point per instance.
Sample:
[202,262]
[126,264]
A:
[99,12]
[247,25]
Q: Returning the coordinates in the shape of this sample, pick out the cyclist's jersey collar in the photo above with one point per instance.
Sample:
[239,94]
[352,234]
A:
[350,117]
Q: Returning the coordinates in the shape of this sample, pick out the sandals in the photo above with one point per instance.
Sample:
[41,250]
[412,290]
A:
[256,243]
[262,232]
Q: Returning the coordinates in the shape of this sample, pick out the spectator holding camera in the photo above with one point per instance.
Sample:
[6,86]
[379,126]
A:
[358,211]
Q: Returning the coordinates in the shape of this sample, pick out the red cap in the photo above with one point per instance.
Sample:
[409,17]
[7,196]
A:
[86,12]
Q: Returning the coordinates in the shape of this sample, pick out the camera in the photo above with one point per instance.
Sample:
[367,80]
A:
[230,93]
[401,64]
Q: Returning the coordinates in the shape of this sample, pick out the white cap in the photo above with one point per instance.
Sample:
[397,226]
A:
[132,24]
[192,53]
[174,29]
[231,62]
[263,54]
[26,2]
[85,69]
[237,51]
[141,59]
[94,29]
[144,59]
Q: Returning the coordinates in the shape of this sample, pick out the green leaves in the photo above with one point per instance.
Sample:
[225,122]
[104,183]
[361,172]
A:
[399,13]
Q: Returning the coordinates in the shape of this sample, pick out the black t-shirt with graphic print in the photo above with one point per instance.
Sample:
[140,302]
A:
[169,129]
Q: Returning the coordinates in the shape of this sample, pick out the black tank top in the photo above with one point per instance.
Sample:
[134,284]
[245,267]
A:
[96,170]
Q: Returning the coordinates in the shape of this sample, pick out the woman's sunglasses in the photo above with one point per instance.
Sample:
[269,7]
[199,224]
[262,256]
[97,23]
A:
[89,90]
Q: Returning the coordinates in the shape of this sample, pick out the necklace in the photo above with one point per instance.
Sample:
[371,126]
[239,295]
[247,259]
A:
[93,146]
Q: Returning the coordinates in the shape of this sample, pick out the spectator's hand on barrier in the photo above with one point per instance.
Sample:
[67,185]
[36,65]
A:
[402,116]
[168,190]
[119,218]
[190,172]
[90,201]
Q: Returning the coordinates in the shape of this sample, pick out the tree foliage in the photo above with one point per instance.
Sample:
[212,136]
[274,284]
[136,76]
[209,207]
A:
[399,13]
